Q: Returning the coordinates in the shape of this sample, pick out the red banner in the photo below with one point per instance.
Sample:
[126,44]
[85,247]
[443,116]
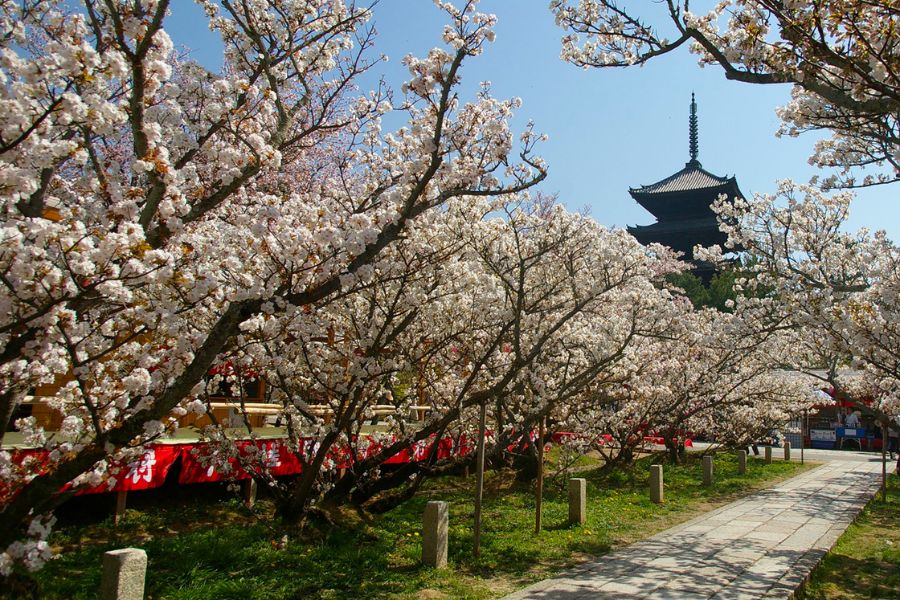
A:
[273,456]
[197,466]
[147,472]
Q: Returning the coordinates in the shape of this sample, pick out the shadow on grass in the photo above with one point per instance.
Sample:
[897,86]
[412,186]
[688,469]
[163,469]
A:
[213,548]
[865,561]
[854,578]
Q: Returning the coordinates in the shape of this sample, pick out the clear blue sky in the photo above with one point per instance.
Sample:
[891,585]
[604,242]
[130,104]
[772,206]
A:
[609,129]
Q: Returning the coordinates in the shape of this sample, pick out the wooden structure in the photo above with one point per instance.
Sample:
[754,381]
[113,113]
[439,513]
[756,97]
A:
[225,410]
[682,203]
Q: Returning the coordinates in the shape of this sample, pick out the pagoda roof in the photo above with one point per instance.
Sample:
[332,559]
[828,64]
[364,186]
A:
[703,223]
[681,235]
[692,177]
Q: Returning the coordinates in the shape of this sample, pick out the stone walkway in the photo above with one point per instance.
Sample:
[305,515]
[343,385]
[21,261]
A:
[762,546]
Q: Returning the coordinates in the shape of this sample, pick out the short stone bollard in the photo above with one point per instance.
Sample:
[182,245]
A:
[250,487]
[656,484]
[787,451]
[768,450]
[707,470]
[742,462]
[124,572]
[577,501]
[434,534]
[121,501]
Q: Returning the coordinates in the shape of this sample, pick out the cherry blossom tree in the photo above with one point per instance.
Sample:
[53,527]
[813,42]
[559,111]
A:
[841,56]
[531,310]
[836,290]
[153,212]
[705,374]
[360,357]
[610,288]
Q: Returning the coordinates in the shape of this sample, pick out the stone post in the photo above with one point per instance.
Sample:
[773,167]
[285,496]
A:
[742,462]
[656,483]
[123,574]
[250,492]
[768,450]
[577,501]
[121,500]
[434,534]
[787,451]
[707,470]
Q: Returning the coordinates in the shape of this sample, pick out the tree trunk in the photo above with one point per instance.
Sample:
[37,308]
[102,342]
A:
[479,479]
[296,503]
[539,492]
[526,464]
[625,455]
[884,443]
[675,449]
[391,501]
[41,495]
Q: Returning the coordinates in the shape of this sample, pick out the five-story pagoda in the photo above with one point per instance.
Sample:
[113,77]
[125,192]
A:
[682,203]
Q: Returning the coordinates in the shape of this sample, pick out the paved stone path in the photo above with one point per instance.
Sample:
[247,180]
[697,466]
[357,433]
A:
[762,546]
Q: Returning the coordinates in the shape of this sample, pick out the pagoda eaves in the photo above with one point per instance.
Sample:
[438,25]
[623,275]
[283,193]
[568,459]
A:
[686,194]
[682,203]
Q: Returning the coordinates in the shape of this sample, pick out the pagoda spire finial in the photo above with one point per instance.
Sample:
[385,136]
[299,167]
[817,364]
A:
[694,138]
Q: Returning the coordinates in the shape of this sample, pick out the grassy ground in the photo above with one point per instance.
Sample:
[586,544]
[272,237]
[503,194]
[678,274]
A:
[213,548]
[865,562]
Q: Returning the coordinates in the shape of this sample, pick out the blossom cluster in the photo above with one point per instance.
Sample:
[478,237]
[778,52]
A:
[833,290]
[156,217]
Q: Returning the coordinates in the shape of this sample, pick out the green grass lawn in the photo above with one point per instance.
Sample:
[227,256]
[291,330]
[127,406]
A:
[211,547]
[865,562]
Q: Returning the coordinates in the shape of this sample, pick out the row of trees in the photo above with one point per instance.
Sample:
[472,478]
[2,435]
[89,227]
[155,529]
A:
[159,220]
[835,291]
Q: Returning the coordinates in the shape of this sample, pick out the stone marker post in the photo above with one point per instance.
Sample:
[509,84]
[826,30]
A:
[707,470]
[123,574]
[768,454]
[742,462]
[250,492]
[434,534]
[121,500]
[656,484]
[577,501]
[787,451]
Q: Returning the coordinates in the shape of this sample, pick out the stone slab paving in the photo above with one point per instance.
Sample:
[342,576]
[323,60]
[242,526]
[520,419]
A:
[763,546]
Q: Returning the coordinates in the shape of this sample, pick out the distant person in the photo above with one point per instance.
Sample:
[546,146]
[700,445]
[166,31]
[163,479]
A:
[776,437]
[852,421]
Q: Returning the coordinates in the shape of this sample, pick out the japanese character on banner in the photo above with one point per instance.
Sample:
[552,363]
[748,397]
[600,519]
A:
[420,450]
[143,468]
[271,456]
